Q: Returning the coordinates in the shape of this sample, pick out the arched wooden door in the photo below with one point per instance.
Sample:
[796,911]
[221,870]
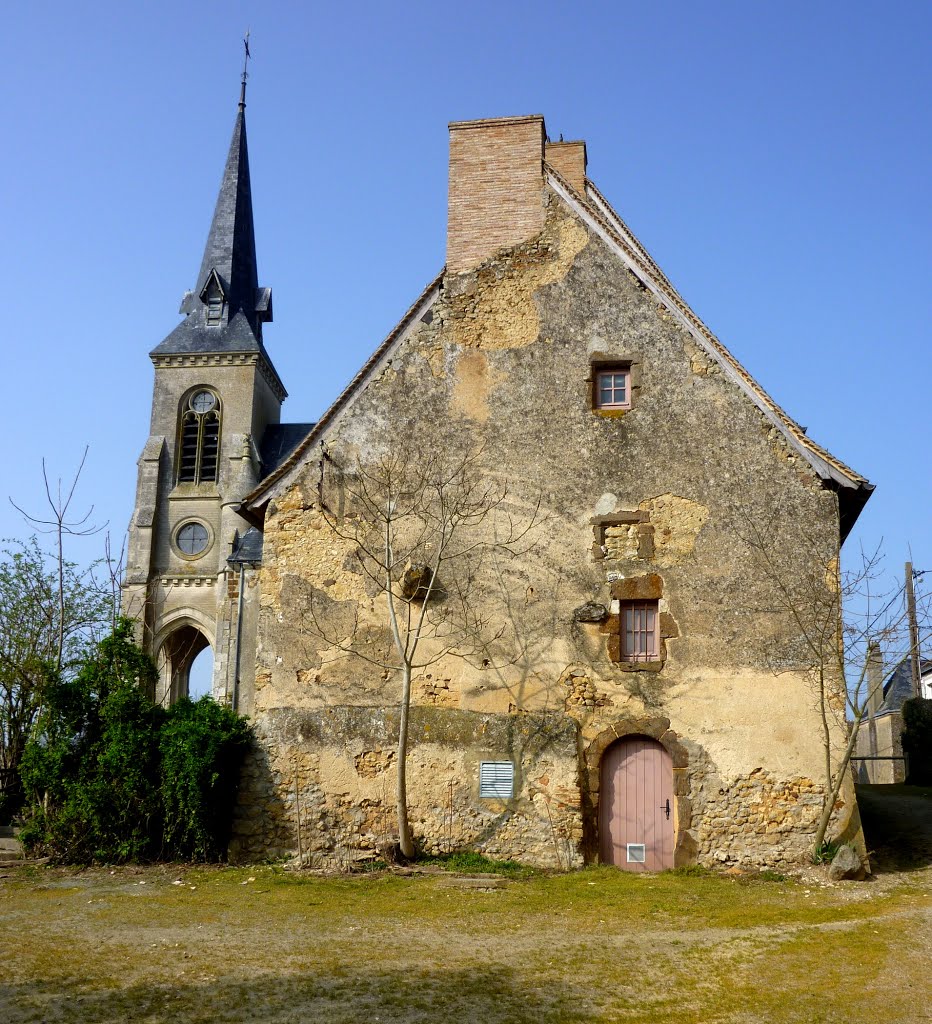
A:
[636,805]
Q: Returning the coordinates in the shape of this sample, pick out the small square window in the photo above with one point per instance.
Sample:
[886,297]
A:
[613,388]
[640,639]
[637,853]
[496,780]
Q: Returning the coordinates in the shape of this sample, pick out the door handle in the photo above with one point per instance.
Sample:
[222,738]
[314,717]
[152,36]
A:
[666,809]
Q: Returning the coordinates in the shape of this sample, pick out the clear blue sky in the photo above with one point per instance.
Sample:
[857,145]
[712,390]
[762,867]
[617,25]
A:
[775,159]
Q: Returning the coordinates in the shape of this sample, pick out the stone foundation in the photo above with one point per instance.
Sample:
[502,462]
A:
[755,820]
[335,768]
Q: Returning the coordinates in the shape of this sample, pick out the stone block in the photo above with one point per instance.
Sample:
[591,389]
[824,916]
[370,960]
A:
[686,852]
[655,726]
[678,755]
[591,611]
[645,541]
[668,627]
[638,588]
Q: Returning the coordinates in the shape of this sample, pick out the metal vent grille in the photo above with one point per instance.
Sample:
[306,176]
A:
[497,779]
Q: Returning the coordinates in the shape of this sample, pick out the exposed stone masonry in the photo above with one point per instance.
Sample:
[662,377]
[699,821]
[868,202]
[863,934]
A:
[754,820]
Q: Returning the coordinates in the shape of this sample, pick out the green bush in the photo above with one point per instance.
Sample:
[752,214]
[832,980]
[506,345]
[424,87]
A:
[917,740]
[111,777]
[201,745]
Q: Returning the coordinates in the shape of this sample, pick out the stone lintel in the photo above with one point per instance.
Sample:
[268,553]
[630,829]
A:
[638,588]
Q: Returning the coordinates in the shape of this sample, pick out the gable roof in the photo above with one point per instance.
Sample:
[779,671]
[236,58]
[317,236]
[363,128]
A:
[899,687]
[595,211]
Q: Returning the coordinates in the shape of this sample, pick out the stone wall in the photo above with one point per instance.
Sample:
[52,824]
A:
[336,768]
[503,363]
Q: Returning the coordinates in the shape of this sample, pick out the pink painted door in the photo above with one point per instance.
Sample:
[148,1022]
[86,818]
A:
[636,805]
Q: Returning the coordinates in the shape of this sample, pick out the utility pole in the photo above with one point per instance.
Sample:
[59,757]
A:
[913,630]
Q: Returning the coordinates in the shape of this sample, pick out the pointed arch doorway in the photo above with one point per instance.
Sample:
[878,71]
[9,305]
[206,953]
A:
[636,805]
[180,652]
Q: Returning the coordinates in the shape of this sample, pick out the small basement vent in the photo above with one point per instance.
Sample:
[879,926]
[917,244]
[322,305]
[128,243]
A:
[637,853]
[497,780]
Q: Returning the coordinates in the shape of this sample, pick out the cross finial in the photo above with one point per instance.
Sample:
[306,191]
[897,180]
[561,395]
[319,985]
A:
[246,56]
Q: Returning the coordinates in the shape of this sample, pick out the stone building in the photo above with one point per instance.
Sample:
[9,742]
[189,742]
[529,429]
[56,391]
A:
[879,756]
[630,687]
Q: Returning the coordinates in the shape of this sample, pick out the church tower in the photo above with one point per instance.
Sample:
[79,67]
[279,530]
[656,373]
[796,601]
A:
[217,398]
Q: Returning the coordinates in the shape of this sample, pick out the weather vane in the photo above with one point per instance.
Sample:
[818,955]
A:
[246,56]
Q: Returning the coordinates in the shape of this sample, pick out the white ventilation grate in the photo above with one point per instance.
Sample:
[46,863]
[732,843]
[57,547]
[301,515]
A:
[637,853]
[497,779]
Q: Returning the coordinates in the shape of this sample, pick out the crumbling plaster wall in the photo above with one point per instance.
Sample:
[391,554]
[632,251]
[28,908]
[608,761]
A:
[505,359]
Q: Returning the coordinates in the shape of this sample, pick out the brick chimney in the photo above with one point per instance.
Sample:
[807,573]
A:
[496,187]
[569,160]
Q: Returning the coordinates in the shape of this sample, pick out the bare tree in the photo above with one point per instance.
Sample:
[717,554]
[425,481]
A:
[422,528]
[61,524]
[845,620]
[51,613]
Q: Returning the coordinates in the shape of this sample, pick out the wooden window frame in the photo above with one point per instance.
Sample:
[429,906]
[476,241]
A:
[603,372]
[628,654]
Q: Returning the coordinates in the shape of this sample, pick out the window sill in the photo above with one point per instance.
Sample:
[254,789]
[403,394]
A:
[611,414]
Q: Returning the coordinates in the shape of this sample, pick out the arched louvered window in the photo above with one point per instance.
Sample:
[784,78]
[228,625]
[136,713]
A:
[199,438]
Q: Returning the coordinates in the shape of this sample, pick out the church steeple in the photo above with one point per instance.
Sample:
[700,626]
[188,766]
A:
[227,308]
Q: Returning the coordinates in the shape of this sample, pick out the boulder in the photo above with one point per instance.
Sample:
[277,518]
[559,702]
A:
[846,863]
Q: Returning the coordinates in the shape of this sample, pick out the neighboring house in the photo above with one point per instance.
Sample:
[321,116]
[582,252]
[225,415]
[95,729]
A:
[645,700]
[879,757]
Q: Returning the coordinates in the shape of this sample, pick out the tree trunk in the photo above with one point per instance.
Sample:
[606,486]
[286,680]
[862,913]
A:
[405,840]
[835,789]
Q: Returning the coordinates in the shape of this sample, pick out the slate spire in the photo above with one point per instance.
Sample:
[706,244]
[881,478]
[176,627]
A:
[227,308]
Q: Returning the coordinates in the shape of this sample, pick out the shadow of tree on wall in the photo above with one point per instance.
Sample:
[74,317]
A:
[491,995]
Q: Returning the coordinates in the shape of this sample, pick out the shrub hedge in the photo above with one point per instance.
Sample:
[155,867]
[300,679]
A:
[112,777]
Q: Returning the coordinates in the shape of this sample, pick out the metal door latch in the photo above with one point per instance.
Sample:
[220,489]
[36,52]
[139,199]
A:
[666,808]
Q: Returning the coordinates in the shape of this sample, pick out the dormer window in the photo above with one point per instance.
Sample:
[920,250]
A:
[199,438]
[213,297]
[214,304]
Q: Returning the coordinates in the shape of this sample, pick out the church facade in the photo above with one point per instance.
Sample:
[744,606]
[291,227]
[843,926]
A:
[546,479]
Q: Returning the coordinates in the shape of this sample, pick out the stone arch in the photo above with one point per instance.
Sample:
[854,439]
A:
[656,728]
[180,639]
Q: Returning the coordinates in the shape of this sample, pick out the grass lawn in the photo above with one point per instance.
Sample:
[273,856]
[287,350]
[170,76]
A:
[265,945]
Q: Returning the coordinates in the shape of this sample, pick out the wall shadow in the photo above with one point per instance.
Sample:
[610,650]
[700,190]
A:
[491,995]
[897,822]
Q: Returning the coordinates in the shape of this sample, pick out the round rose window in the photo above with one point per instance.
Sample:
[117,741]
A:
[192,538]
